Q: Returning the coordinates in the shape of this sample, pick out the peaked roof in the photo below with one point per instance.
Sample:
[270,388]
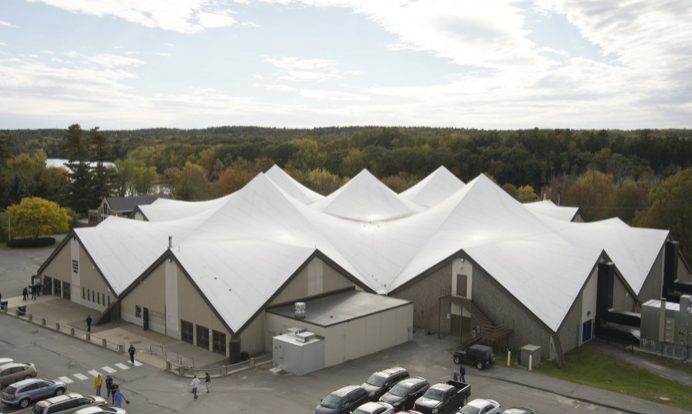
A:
[548,208]
[129,203]
[434,188]
[291,186]
[365,198]
[241,248]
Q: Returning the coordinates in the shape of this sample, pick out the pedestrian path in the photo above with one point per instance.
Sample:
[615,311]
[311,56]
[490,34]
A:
[94,373]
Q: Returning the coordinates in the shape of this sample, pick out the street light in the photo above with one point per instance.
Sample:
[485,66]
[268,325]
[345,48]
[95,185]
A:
[9,228]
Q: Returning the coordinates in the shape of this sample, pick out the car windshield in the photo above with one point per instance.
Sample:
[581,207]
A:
[469,409]
[10,390]
[376,380]
[399,390]
[38,409]
[434,394]
[331,401]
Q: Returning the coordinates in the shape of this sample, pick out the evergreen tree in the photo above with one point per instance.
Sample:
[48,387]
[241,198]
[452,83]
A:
[81,193]
[16,191]
[100,151]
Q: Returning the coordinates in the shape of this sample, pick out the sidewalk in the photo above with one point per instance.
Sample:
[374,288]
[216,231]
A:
[152,347]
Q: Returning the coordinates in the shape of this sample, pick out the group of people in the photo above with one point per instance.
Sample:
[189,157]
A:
[195,383]
[34,289]
[456,376]
[112,390]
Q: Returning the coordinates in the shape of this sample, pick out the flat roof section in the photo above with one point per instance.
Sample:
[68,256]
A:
[340,307]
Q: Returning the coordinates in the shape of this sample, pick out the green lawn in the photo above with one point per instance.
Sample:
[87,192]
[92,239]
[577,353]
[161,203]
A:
[593,367]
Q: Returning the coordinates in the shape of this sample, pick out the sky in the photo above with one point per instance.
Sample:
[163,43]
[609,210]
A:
[492,64]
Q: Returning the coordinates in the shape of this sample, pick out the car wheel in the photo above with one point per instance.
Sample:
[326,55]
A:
[479,365]
[60,391]
[457,360]
[24,403]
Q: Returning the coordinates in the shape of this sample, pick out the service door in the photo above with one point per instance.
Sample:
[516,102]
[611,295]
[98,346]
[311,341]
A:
[145,318]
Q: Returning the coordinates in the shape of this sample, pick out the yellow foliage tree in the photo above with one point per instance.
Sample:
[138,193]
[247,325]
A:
[35,217]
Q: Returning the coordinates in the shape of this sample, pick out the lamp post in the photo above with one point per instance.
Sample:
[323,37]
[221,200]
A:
[9,226]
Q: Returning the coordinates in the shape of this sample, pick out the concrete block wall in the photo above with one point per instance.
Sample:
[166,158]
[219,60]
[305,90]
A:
[425,294]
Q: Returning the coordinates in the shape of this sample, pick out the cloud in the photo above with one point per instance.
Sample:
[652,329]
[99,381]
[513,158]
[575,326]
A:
[185,16]
[296,70]
[105,59]
[5,24]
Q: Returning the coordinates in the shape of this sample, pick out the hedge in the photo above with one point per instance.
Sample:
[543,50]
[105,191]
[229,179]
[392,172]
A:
[40,242]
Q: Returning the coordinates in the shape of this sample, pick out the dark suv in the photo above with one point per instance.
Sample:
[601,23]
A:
[342,401]
[479,355]
[380,382]
[405,393]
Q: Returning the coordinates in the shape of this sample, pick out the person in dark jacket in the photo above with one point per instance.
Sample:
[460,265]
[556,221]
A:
[131,350]
[109,385]
[25,294]
[88,321]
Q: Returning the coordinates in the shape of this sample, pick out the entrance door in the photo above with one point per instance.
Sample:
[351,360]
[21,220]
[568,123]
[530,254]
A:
[66,290]
[47,285]
[187,331]
[462,283]
[145,319]
[586,331]
[57,287]
[460,325]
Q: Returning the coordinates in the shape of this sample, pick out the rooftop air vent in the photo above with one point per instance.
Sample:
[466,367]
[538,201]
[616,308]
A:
[300,310]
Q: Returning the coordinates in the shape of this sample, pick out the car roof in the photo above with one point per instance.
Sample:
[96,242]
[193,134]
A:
[480,347]
[345,390]
[16,364]
[64,397]
[441,386]
[91,410]
[392,370]
[27,381]
[411,381]
[373,405]
[481,402]
[518,410]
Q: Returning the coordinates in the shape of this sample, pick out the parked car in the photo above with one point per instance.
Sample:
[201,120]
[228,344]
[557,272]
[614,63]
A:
[381,381]
[519,410]
[481,406]
[33,389]
[97,409]
[15,371]
[67,403]
[443,398]
[402,395]
[481,356]
[342,401]
[4,361]
[375,407]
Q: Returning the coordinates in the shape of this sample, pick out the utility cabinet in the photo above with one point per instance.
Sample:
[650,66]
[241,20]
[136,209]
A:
[533,351]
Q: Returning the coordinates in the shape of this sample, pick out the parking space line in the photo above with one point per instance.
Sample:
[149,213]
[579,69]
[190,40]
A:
[66,380]
[108,369]
[80,377]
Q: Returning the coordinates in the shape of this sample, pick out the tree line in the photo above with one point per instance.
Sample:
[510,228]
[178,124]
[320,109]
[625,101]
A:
[607,173]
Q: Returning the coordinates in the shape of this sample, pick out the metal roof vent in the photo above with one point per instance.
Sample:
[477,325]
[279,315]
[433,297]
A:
[300,310]
[305,336]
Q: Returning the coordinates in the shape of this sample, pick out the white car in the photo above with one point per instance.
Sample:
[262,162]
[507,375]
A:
[481,406]
[375,407]
[101,410]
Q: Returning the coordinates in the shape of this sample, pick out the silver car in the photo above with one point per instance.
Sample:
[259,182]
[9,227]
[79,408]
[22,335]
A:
[26,391]
[67,403]
[15,371]
[101,410]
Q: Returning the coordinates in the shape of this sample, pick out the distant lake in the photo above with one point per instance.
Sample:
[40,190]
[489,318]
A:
[60,163]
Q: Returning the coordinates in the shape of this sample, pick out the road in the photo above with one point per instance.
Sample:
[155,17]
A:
[259,390]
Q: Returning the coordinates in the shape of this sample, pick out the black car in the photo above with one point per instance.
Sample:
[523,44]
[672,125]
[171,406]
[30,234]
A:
[479,355]
[342,401]
[405,393]
[381,381]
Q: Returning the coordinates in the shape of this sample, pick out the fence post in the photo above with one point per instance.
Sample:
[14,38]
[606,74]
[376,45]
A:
[88,337]
[43,321]
[72,331]
[224,369]
[252,362]
[530,361]
[31,317]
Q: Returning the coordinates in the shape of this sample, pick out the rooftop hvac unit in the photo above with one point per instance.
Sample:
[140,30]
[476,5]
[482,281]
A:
[295,331]
[305,336]
[300,310]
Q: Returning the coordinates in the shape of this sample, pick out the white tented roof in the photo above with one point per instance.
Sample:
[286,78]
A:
[240,249]
[548,208]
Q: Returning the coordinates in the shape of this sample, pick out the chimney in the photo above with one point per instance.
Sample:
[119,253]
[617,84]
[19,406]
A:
[170,241]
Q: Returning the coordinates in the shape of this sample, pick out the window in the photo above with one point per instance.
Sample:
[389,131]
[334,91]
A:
[203,336]
[93,296]
[88,294]
[219,342]
[109,300]
[98,298]
[83,294]
[75,266]
[187,331]
[138,311]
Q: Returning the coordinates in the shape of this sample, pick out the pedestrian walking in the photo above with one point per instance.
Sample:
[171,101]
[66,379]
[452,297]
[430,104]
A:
[88,321]
[118,398]
[207,381]
[98,381]
[33,292]
[115,389]
[455,376]
[194,384]
[131,350]
[462,372]
[25,294]
[109,385]
[38,288]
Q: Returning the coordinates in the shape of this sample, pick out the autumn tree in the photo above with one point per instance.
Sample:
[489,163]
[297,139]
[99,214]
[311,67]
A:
[671,209]
[192,184]
[591,193]
[627,199]
[35,217]
[526,194]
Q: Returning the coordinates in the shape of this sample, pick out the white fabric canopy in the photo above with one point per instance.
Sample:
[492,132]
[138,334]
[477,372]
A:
[240,249]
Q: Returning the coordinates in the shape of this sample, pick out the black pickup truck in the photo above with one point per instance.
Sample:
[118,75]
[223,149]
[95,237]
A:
[443,398]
